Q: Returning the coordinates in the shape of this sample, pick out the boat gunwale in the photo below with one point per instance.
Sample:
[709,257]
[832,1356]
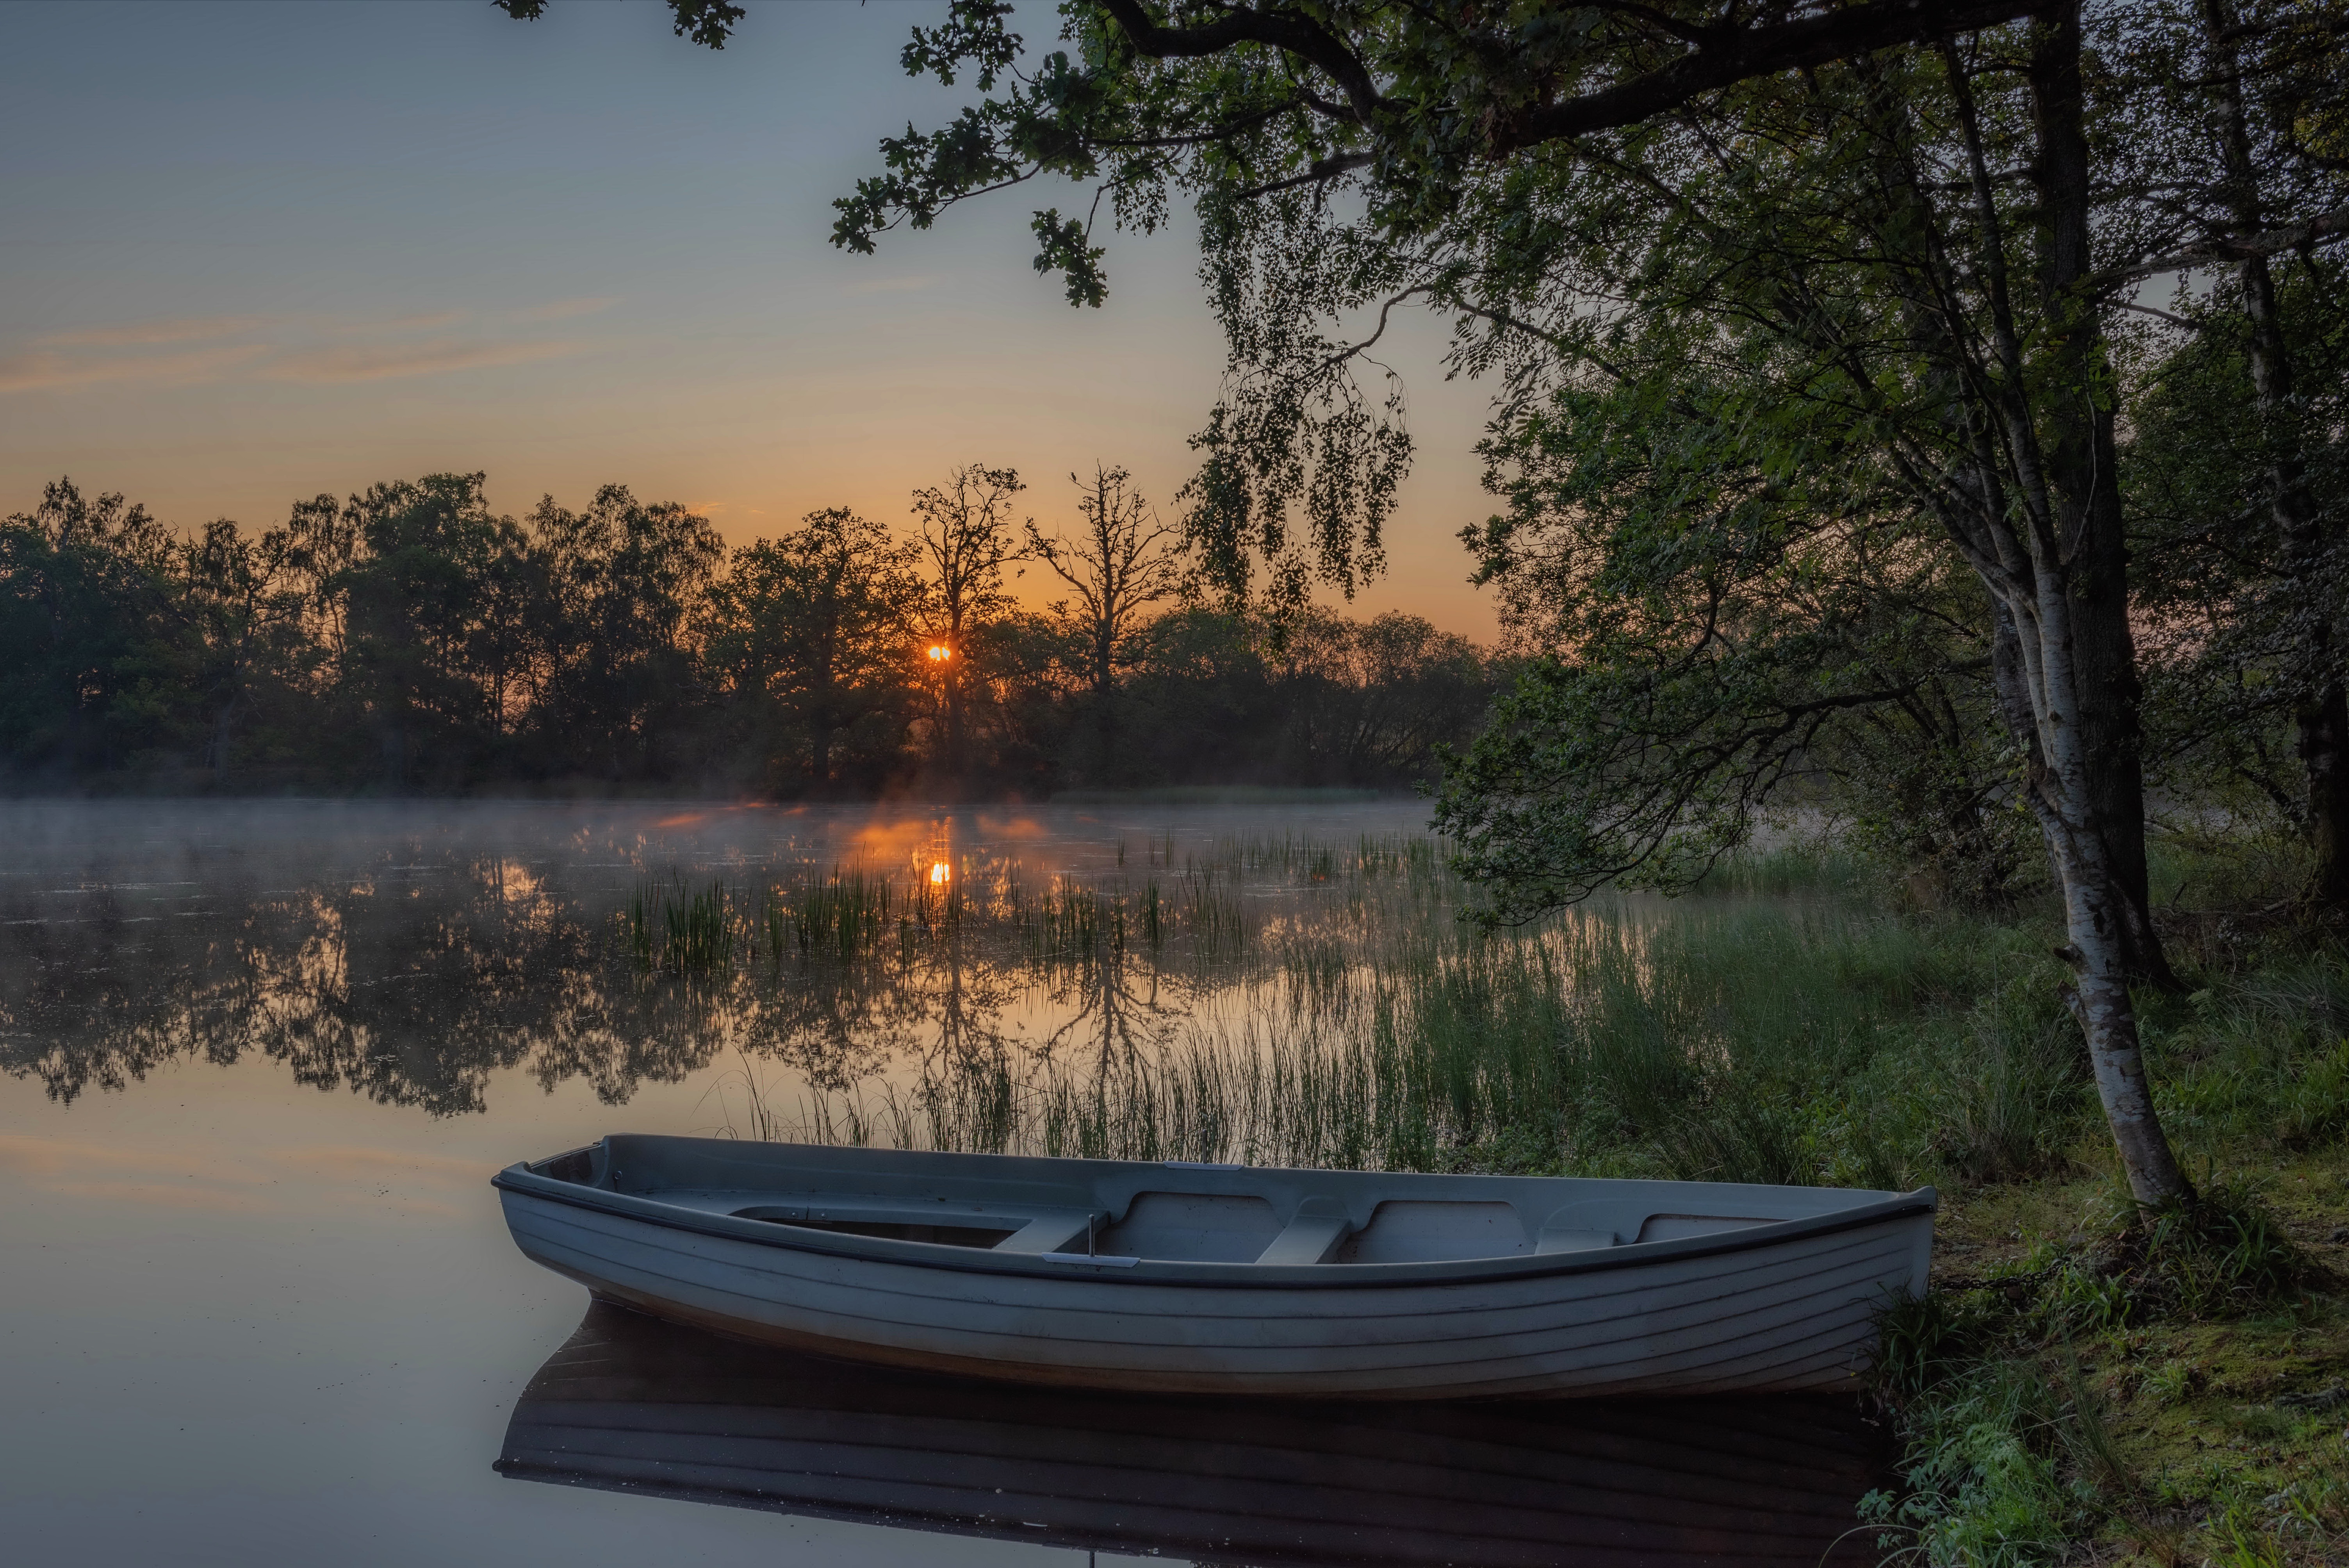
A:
[1189,1273]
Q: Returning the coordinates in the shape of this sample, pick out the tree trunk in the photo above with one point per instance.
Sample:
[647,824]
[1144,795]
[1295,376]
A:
[2082,461]
[2108,1019]
[955,767]
[2041,536]
[1104,712]
[2031,670]
[2321,712]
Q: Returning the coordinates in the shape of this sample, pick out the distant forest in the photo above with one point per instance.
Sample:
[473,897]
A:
[409,640]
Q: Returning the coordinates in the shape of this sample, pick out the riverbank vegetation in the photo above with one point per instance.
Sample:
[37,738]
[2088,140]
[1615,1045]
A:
[2088,1379]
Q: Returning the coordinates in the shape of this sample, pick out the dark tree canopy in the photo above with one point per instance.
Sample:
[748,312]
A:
[410,640]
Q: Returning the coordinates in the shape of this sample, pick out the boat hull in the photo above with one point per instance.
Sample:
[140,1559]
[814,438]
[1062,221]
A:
[1785,1313]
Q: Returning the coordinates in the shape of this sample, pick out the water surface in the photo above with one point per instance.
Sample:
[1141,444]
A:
[262,1058]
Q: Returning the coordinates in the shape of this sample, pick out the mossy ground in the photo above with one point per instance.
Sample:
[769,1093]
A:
[2217,1437]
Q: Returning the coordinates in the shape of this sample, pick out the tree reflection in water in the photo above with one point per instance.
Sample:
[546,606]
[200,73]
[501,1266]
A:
[409,953]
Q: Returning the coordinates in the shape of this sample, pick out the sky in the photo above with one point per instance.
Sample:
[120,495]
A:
[253,252]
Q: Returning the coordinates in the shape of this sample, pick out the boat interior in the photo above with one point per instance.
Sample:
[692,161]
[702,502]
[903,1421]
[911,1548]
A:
[1109,1213]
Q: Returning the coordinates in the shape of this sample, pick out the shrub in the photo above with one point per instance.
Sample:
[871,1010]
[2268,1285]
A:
[2315,1099]
[2216,1254]
[2007,1109]
[1985,1486]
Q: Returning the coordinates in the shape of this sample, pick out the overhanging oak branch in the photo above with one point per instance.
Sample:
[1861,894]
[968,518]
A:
[1732,55]
[1724,54]
[1288,30]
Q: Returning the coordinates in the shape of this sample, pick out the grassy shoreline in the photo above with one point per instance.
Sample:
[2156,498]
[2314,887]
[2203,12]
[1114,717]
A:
[2086,1383]
[2096,1397]
[2071,1413]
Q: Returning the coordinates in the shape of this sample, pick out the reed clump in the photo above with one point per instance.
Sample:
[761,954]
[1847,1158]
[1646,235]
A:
[680,929]
[1719,1041]
[1812,1033]
[1068,920]
[842,915]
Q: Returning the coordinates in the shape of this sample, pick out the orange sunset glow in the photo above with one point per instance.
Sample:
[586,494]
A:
[367,314]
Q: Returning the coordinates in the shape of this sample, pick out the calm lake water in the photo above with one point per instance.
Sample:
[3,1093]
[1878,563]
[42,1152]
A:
[260,1307]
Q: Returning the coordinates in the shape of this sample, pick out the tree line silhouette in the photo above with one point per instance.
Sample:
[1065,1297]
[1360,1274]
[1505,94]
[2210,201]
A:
[408,639]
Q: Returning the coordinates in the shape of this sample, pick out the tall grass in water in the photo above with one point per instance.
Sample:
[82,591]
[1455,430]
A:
[842,915]
[935,906]
[1213,912]
[1727,1039]
[1070,921]
[680,929]
[1153,916]
[1722,1041]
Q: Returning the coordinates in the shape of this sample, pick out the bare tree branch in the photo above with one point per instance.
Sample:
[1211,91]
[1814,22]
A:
[2226,249]
[1321,169]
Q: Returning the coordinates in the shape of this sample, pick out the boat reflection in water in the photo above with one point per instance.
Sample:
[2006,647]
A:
[630,1404]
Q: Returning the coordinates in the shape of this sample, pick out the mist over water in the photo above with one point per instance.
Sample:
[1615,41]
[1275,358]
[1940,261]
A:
[413,952]
[262,1057]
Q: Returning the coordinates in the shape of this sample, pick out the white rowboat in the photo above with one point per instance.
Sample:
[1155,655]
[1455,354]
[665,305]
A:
[1228,1280]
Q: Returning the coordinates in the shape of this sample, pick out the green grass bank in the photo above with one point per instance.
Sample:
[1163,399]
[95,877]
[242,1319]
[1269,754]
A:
[2084,1383]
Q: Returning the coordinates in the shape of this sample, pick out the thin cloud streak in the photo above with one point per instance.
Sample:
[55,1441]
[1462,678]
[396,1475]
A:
[327,366]
[195,329]
[309,351]
[41,370]
[437,319]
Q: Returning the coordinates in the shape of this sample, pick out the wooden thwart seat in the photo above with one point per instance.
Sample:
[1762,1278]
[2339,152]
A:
[1319,1227]
[1057,1230]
